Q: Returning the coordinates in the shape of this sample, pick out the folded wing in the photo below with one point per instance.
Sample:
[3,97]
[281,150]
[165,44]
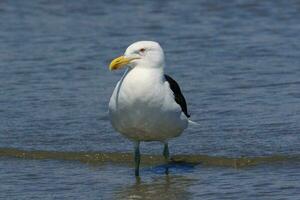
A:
[179,98]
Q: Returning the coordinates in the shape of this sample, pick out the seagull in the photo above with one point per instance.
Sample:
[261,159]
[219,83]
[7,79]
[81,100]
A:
[146,104]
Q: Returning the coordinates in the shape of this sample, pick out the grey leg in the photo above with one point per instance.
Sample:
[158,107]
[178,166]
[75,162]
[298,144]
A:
[166,155]
[166,151]
[137,158]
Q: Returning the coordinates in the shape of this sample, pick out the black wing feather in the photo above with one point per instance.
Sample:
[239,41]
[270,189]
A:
[179,98]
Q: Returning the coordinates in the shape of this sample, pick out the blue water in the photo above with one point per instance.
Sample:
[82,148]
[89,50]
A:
[238,66]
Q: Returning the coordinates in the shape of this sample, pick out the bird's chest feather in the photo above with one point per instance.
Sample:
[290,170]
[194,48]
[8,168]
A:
[138,100]
[142,106]
[140,89]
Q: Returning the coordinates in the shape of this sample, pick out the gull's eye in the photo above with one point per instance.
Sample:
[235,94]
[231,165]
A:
[142,50]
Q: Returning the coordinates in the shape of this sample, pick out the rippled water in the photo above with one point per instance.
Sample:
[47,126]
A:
[237,63]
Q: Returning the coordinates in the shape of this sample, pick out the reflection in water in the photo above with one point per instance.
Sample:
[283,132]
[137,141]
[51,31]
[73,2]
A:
[167,187]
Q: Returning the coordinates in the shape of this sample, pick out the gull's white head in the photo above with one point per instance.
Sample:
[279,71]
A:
[144,54]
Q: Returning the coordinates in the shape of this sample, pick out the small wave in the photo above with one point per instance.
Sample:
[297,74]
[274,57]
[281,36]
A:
[127,158]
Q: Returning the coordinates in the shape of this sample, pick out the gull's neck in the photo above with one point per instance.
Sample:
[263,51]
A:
[155,74]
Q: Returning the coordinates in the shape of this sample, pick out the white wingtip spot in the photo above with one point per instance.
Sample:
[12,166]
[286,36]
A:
[193,123]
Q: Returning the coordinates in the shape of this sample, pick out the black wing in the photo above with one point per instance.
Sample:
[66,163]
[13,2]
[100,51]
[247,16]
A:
[179,98]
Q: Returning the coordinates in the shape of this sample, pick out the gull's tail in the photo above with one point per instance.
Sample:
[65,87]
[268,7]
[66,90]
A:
[193,123]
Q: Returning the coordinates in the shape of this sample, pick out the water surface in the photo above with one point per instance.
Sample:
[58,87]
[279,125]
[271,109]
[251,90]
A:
[238,66]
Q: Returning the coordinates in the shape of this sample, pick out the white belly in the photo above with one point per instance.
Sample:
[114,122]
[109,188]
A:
[143,108]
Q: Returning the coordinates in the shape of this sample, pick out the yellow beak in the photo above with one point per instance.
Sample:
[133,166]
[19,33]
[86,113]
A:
[119,62]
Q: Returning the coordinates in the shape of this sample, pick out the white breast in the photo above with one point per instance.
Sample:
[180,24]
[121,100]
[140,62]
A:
[142,107]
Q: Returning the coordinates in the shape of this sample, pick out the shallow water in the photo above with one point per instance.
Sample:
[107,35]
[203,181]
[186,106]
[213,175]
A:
[237,63]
